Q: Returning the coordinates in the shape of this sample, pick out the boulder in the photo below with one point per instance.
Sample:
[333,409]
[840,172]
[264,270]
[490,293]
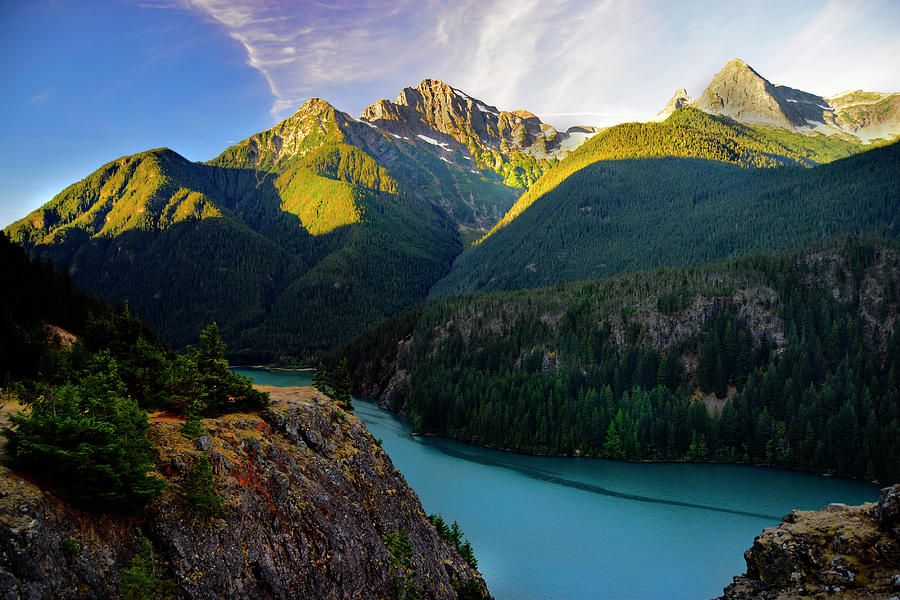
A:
[888,508]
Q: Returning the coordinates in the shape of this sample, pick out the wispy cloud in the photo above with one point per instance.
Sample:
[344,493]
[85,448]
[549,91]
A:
[506,52]
[842,44]
[564,56]
[301,49]
[40,98]
[597,58]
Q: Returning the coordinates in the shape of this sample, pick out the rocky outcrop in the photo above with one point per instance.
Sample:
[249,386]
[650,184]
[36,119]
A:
[840,551]
[739,92]
[678,99]
[435,107]
[309,497]
[467,131]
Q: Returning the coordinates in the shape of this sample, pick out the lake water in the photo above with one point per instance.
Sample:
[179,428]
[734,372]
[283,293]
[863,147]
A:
[581,528]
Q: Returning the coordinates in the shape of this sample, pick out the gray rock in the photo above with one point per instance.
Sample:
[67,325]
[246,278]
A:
[838,572]
[299,522]
[888,508]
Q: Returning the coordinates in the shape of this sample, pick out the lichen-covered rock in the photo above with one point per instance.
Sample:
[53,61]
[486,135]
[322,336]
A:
[838,552]
[888,508]
[308,495]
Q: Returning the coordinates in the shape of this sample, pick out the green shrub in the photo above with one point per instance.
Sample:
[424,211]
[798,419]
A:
[143,579]
[87,441]
[402,560]
[199,490]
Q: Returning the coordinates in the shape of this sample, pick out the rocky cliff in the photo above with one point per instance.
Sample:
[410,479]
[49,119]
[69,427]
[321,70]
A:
[308,495]
[434,106]
[840,551]
[679,98]
[514,144]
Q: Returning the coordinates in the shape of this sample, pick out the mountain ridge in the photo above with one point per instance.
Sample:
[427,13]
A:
[738,91]
[687,132]
[345,219]
[613,216]
[515,144]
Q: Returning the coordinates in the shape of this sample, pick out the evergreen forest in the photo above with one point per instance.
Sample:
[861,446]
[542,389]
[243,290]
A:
[789,359]
[690,133]
[86,376]
[624,215]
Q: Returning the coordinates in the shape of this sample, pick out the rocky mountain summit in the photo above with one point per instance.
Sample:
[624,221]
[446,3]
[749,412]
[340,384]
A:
[840,551]
[679,98]
[310,501]
[449,118]
[739,92]
[469,121]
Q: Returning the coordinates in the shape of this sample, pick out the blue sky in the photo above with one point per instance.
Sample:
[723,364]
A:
[87,81]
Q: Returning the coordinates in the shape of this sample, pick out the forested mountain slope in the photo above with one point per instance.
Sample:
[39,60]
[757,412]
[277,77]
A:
[100,500]
[292,240]
[689,132]
[42,311]
[802,344]
[311,156]
[621,215]
[305,234]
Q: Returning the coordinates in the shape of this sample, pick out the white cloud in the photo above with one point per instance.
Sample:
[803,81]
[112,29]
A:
[301,49]
[510,53]
[600,58]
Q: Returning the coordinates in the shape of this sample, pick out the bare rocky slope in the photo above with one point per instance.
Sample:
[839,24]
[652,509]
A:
[840,551]
[739,92]
[309,497]
[515,144]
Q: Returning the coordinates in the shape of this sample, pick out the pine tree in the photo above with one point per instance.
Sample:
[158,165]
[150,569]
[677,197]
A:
[401,551]
[143,579]
[192,428]
[200,492]
[320,380]
[340,384]
[110,467]
[612,445]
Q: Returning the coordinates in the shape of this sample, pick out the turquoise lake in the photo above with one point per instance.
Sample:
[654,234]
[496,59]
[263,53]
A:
[582,528]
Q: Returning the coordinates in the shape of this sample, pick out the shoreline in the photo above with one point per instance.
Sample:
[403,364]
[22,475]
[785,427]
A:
[421,434]
[269,368]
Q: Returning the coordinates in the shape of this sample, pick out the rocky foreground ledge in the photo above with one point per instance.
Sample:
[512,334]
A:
[308,497]
[841,551]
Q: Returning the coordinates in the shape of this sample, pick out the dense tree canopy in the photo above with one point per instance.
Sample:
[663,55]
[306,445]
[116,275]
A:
[785,359]
[615,216]
[84,427]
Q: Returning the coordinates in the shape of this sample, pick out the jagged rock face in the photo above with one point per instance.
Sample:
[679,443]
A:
[308,496]
[888,509]
[839,552]
[678,99]
[868,115]
[739,92]
[434,106]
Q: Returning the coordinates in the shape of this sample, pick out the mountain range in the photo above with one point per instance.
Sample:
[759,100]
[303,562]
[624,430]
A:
[305,234]
[739,92]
